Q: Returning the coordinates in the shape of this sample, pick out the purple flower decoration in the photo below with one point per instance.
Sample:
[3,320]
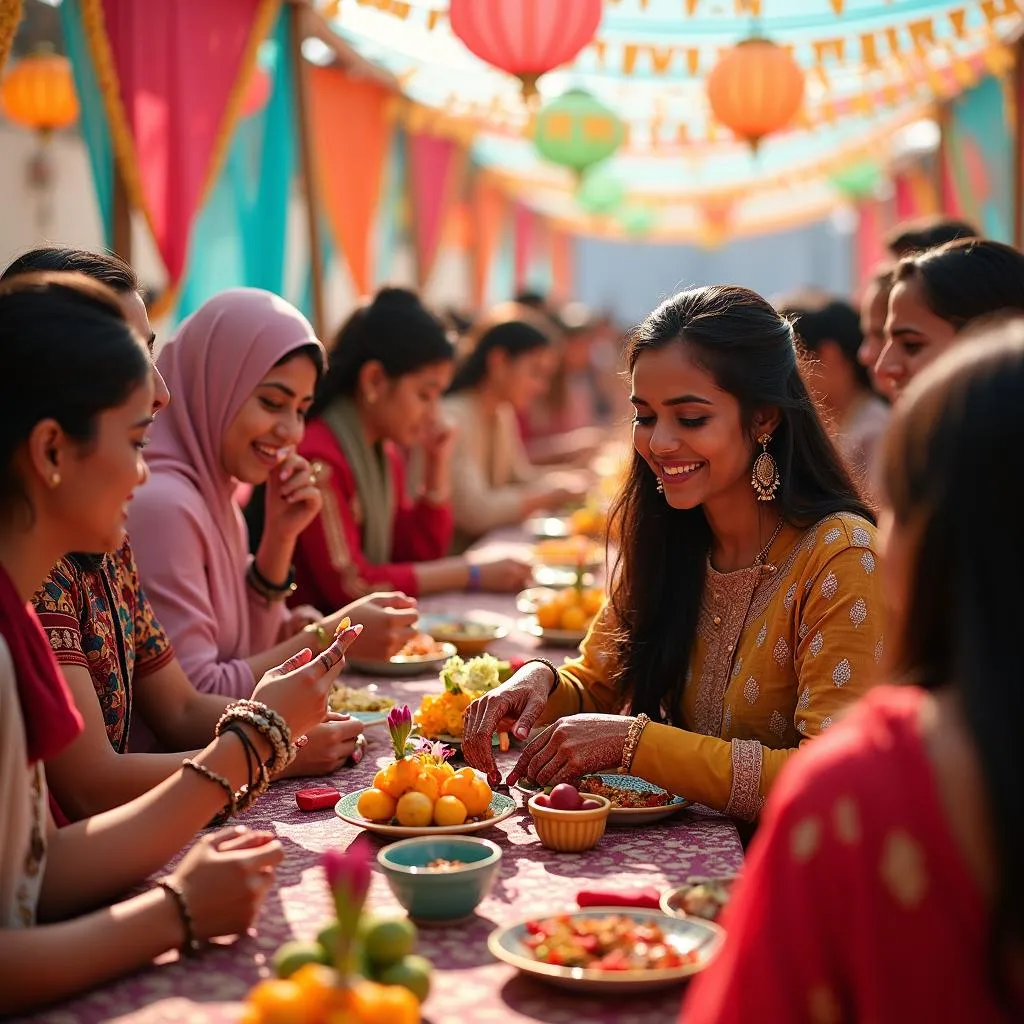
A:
[348,876]
[435,749]
[399,726]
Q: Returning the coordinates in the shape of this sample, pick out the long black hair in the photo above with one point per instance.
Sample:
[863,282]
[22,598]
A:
[69,355]
[513,328]
[396,330]
[658,579]
[945,477]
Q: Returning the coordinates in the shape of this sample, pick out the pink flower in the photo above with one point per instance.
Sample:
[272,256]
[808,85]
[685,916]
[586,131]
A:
[348,875]
[399,726]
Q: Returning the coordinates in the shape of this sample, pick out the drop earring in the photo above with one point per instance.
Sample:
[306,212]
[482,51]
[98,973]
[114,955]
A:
[765,479]
[658,485]
[55,480]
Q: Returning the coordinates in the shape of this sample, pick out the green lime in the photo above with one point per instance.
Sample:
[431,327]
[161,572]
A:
[412,972]
[293,955]
[327,937]
[386,940]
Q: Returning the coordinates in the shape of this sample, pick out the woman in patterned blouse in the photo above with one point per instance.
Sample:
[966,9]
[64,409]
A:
[738,627]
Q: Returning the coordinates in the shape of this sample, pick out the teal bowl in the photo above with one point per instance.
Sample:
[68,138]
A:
[433,896]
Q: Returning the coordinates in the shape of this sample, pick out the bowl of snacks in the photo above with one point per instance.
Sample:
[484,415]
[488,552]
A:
[471,635]
[567,820]
[422,654]
[608,949]
[701,897]
[440,879]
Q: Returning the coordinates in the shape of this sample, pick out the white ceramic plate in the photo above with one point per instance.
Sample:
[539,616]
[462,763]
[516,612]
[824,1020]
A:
[501,807]
[684,933]
[404,665]
[551,637]
[368,718]
[626,815]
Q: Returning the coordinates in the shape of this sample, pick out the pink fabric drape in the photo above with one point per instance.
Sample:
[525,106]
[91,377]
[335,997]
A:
[435,173]
[869,239]
[562,269]
[524,222]
[487,226]
[173,74]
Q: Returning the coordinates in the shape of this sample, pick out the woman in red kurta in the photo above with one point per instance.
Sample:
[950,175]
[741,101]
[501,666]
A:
[390,365]
[884,884]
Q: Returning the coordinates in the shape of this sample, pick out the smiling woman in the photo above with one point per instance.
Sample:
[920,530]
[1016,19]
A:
[745,612]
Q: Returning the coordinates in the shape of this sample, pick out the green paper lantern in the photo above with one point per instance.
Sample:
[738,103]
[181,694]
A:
[637,220]
[600,192]
[577,131]
[857,181]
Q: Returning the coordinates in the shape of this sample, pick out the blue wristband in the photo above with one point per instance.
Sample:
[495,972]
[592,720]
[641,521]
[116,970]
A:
[474,577]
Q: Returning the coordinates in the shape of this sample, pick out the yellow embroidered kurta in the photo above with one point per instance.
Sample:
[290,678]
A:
[776,658]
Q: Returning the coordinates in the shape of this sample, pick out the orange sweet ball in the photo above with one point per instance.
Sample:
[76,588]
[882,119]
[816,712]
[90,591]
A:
[384,1004]
[450,810]
[428,784]
[376,805]
[277,1001]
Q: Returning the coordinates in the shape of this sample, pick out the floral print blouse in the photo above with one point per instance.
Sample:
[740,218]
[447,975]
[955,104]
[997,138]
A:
[96,615]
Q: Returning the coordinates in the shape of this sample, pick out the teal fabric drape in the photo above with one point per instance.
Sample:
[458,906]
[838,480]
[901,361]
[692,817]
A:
[393,221]
[502,278]
[240,236]
[93,119]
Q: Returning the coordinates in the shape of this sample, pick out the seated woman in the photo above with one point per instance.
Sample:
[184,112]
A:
[936,294]
[115,656]
[71,442]
[830,332]
[745,612]
[389,367]
[913,802]
[509,366]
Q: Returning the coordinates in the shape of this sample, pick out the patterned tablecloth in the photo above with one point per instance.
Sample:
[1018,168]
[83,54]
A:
[469,986]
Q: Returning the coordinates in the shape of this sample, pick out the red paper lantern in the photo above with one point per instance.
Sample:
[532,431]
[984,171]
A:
[755,89]
[526,38]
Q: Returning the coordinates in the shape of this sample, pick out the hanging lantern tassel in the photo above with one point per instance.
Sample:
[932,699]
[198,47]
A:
[755,89]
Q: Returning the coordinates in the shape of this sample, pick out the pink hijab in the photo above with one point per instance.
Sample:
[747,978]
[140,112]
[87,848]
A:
[211,366]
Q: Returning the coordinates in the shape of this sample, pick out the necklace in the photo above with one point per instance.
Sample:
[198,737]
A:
[762,554]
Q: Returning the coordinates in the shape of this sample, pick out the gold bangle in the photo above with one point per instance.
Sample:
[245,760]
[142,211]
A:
[212,776]
[636,730]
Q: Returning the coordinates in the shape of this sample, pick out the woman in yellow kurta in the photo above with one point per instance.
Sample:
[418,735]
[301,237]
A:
[745,610]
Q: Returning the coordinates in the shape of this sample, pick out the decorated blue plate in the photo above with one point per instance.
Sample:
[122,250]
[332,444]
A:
[501,807]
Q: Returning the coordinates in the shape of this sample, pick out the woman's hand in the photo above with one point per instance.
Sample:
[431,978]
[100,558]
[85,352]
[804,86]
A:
[293,499]
[522,700]
[574,746]
[225,877]
[297,620]
[389,623]
[298,689]
[328,746]
[503,575]
[438,440]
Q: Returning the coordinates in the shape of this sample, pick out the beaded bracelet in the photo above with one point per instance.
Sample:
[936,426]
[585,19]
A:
[259,783]
[546,664]
[269,724]
[266,589]
[208,773]
[191,946]
[636,730]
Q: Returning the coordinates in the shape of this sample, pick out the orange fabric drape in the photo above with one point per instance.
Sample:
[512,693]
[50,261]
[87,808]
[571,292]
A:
[562,270]
[351,128]
[489,212]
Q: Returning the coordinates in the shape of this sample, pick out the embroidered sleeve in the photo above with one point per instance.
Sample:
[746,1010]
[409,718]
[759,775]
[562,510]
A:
[59,606]
[745,794]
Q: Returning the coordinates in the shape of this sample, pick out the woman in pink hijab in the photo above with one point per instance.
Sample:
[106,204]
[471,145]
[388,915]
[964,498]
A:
[242,371]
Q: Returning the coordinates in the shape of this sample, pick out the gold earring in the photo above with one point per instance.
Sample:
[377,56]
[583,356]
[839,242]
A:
[658,485]
[765,479]
[55,480]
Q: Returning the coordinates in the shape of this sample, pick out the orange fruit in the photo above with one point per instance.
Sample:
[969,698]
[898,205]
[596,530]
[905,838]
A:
[450,810]
[575,619]
[405,772]
[460,787]
[386,781]
[428,784]
[549,615]
[376,805]
[415,810]
[384,1004]
[479,799]
[467,773]
[279,1002]
[318,984]
[592,601]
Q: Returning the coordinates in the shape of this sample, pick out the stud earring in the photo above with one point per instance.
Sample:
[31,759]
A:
[659,486]
[55,480]
[765,479]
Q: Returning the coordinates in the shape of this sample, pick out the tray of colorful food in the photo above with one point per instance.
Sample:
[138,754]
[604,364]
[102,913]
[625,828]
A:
[363,703]
[419,793]
[423,653]
[471,634]
[700,897]
[559,617]
[608,949]
[634,801]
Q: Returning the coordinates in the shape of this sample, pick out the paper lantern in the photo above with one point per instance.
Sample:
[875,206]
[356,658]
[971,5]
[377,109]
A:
[577,131]
[756,88]
[600,192]
[39,93]
[526,38]
[857,181]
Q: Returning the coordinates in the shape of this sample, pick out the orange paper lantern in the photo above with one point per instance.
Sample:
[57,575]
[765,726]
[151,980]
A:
[526,38]
[756,88]
[39,93]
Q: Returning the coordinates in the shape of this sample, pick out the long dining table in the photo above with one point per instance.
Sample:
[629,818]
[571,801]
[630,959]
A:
[468,986]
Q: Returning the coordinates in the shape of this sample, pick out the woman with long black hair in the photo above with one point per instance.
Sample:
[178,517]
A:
[745,612]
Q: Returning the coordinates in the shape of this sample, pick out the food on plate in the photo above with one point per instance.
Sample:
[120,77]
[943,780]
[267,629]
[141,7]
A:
[348,698]
[421,789]
[706,898]
[423,645]
[473,630]
[626,798]
[441,714]
[445,865]
[569,551]
[613,943]
[572,609]
[564,797]
[589,522]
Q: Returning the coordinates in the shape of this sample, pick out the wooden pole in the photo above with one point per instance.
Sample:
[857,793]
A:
[307,168]
[121,216]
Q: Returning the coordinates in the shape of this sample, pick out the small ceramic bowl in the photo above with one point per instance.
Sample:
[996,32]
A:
[440,896]
[469,637]
[681,902]
[570,831]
